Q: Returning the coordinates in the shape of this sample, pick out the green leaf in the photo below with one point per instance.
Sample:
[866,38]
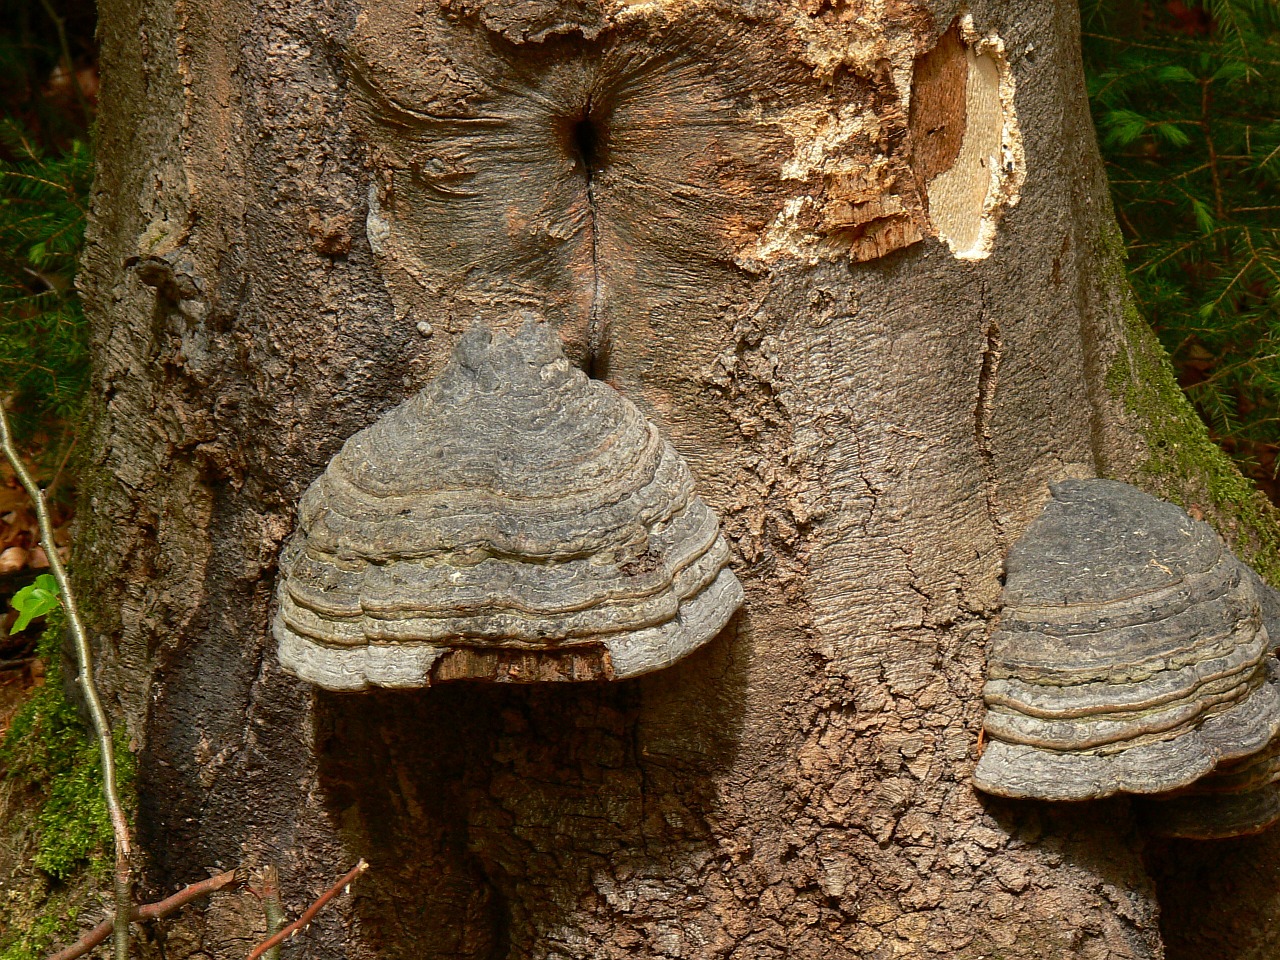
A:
[1172,134]
[1204,219]
[1175,74]
[35,600]
[1123,126]
[1231,70]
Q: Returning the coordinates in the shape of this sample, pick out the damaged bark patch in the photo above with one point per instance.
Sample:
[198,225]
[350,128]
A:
[531,21]
[916,138]
[938,106]
[967,149]
[875,210]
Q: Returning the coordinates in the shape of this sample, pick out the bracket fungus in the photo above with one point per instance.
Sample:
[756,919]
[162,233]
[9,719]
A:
[1132,654]
[514,521]
[1240,798]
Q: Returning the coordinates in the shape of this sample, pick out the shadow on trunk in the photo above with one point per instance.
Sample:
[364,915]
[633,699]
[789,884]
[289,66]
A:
[499,816]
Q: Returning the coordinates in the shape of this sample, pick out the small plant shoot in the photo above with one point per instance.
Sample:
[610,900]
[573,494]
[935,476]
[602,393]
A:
[35,600]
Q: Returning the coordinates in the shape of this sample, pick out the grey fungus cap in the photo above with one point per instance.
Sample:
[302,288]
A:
[1131,656]
[515,520]
[1240,798]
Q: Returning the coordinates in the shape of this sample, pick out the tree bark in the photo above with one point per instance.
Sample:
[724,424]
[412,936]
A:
[853,259]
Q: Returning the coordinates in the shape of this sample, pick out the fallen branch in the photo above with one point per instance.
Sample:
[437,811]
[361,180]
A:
[148,911]
[309,914]
[84,660]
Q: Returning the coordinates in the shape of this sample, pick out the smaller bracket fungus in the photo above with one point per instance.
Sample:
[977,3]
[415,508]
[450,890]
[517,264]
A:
[1132,654]
[1240,798]
[514,521]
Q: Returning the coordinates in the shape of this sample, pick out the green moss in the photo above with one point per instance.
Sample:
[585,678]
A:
[49,750]
[55,814]
[36,940]
[1182,457]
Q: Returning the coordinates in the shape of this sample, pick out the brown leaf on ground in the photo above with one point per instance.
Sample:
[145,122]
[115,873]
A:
[19,528]
[15,684]
[13,559]
[13,498]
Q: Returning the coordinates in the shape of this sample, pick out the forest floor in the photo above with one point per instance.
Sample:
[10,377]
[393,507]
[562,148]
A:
[22,559]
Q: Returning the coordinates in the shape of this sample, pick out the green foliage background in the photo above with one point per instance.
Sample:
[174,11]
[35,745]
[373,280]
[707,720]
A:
[51,757]
[46,169]
[1186,98]
[49,749]
[43,341]
[54,811]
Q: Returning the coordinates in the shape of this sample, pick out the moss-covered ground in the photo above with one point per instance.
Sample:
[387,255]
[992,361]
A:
[55,835]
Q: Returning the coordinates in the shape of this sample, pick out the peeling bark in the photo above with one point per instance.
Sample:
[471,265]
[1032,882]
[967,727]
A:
[726,209]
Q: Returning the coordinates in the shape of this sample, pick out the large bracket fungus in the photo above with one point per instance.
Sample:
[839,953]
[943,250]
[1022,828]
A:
[514,521]
[1132,654]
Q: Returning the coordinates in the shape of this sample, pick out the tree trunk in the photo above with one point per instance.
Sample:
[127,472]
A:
[855,260]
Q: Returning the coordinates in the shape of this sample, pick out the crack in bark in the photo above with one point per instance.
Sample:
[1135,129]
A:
[988,378]
[873,491]
[596,361]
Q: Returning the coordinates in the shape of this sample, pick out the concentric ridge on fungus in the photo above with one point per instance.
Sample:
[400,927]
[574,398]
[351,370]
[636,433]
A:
[1240,798]
[1131,655]
[513,521]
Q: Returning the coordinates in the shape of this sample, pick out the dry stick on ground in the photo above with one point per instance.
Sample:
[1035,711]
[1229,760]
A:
[149,911]
[309,914]
[84,660]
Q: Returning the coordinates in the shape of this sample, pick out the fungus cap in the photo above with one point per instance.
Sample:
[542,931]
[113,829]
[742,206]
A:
[1239,798]
[513,521]
[1131,654]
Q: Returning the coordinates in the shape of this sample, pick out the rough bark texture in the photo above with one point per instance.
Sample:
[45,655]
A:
[723,208]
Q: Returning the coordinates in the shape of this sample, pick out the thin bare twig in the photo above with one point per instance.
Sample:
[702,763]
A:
[68,64]
[273,906]
[1234,280]
[269,893]
[1256,61]
[84,658]
[1206,93]
[1223,371]
[309,914]
[1186,246]
[148,911]
[57,474]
